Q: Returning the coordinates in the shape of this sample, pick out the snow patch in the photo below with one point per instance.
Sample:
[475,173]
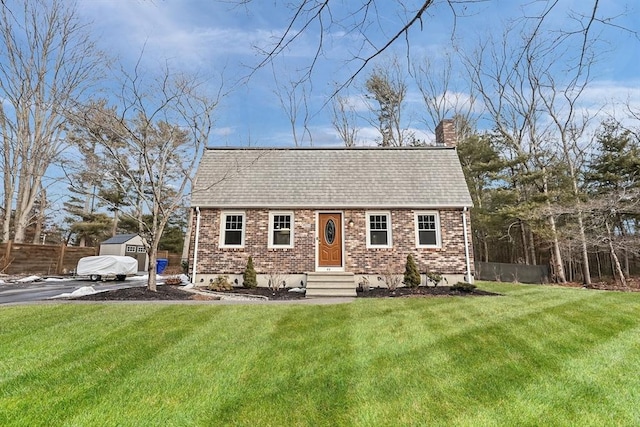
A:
[84,290]
[29,279]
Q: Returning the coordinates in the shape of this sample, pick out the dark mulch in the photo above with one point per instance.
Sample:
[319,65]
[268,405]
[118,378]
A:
[168,293]
[174,293]
[422,291]
[141,293]
[281,295]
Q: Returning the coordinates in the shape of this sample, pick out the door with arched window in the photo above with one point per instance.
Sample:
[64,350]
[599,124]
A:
[329,240]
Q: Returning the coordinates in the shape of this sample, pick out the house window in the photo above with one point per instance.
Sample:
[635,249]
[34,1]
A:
[378,229]
[281,229]
[130,248]
[232,230]
[142,250]
[427,229]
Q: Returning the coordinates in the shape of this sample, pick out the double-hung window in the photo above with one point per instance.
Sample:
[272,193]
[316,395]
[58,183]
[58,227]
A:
[232,229]
[427,229]
[281,229]
[379,230]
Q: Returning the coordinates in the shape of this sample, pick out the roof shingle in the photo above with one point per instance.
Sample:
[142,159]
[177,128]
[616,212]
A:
[323,178]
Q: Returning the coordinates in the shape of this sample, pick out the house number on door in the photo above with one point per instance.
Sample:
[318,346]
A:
[330,232]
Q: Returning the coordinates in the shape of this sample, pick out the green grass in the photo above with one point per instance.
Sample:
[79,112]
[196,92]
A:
[535,356]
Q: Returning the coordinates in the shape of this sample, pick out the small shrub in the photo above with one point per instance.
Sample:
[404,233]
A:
[411,273]
[221,283]
[249,279]
[276,281]
[364,285]
[391,279]
[173,280]
[434,278]
[185,266]
[463,287]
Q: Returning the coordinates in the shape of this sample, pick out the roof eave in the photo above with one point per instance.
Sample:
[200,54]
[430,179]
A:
[324,207]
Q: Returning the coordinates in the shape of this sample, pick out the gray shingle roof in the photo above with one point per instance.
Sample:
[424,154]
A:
[324,178]
[119,239]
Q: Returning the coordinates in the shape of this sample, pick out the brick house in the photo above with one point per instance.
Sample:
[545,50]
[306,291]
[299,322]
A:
[325,218]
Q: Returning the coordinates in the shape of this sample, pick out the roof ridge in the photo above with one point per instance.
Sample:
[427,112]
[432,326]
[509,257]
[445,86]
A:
[363,148]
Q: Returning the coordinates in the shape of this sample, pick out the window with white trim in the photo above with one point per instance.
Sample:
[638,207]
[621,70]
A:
[130,248]
[427,229]
[232,230]
[281,227]
[378,230]
[142,250]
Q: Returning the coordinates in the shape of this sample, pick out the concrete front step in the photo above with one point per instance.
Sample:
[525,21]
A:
[330,284]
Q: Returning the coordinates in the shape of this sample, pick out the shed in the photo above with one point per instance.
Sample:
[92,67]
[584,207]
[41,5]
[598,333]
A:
[127,245]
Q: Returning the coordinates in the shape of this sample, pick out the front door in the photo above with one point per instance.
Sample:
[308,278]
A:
[330,240]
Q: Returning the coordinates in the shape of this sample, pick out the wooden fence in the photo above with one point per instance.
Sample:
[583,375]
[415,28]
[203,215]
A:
[25,258]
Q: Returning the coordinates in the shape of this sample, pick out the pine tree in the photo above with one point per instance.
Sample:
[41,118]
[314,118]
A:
[411,273]
[249,276]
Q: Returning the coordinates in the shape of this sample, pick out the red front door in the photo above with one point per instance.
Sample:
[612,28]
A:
[330,239]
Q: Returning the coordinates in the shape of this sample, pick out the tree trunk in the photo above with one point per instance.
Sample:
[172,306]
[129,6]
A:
[616,261]
[152,282]
[486,250]
[557,256]
[114,229]
[586,271]
[525,246]
[40,216]
[532,247]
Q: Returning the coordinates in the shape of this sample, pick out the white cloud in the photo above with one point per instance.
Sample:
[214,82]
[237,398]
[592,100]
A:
[223,131]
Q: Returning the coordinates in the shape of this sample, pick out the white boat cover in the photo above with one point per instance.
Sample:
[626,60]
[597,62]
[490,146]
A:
[107,265]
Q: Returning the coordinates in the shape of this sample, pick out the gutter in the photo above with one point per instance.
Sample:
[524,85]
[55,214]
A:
[466,245]
[195,246]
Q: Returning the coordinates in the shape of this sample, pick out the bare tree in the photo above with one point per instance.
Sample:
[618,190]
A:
[387,90]
[48,63]
[441,100]
[570,123]
[506,79]
[603,219]
[293,99]
[153,137]
[344,120]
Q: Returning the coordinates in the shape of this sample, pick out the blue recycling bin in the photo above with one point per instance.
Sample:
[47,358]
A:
[161,265]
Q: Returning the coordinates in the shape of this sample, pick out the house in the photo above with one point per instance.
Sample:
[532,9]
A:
[326,218]
[127,245]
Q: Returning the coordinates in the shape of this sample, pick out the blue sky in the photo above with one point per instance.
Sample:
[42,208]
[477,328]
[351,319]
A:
[217,38]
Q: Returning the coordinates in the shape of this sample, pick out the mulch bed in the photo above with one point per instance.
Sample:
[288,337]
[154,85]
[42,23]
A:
[141,293]
[174,293]
[422,291]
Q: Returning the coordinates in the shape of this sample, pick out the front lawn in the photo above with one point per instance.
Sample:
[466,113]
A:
[535,356]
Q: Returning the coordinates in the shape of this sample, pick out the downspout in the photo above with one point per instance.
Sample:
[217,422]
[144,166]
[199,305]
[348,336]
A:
[195,246]
[466,245]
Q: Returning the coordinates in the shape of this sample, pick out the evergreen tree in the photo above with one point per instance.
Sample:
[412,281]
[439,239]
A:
[411,274]
[249,276]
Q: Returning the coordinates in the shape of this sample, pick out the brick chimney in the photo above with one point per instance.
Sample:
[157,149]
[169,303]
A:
[446,134]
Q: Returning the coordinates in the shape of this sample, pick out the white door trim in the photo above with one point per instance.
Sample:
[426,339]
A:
[317,239]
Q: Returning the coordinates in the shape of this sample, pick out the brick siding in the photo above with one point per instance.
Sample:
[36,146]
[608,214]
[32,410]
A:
[447,259]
